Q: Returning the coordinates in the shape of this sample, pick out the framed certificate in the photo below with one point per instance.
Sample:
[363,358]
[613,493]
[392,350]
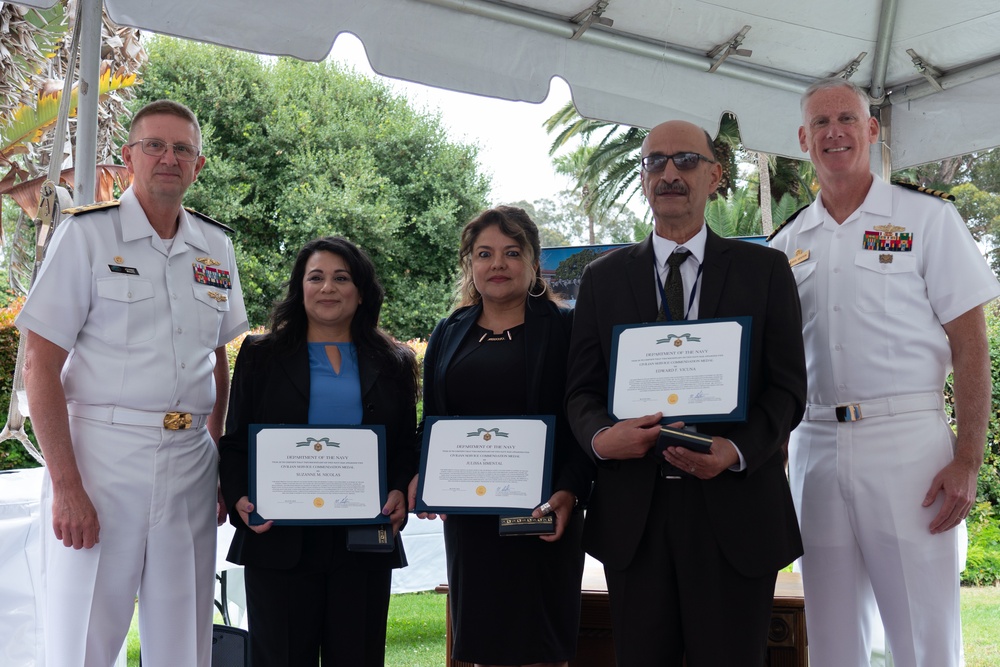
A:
[691,371]
[310,474]
[485,465]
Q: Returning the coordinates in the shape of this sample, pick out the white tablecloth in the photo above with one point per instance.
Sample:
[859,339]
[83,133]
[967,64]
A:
[20,567]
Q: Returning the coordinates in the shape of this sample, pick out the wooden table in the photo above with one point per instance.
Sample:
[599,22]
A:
[786,641]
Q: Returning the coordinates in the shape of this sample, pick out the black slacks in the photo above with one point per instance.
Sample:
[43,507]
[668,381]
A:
[295,616]
[680,597]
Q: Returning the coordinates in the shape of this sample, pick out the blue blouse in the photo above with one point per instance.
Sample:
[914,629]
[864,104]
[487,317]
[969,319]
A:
[334,398]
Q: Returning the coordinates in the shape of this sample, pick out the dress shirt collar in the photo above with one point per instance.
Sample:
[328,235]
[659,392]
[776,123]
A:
[135,225]
[663,248]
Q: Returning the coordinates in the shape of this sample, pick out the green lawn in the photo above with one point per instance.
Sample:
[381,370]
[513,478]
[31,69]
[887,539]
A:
[980,624]
[415,636]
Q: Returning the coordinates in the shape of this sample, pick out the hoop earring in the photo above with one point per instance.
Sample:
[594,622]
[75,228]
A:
[542,293]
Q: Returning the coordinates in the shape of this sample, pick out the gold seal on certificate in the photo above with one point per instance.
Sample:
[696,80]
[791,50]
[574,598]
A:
[312,474]
[691,371]
[485,465]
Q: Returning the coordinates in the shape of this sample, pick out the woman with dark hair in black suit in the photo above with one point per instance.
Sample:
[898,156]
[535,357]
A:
[503,351]
[324,361]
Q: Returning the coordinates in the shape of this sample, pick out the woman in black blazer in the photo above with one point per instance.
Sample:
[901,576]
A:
[514,600]
[323,361]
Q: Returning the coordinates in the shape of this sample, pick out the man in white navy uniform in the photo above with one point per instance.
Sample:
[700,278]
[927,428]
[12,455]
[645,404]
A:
[892,287]
[128,382]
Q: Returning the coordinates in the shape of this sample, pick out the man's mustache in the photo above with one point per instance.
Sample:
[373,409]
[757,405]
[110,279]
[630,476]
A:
[676,188]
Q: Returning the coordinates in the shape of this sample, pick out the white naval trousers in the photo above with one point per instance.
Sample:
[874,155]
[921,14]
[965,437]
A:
[858,489]
[155,495]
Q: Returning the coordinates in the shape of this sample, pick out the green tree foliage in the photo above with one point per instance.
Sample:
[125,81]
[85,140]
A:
[981,211]
[548,217]
[736,215]
[974,180]
[298,150]
[564,221]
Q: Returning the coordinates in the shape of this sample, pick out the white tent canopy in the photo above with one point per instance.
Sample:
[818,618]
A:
[932,67]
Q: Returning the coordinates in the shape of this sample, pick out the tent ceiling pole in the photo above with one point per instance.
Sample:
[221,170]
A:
[880,156]
[62,121]
[85,175]
[886,24]
[905,93]
[657,51]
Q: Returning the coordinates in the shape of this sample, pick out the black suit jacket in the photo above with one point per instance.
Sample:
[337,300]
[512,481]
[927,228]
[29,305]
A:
[546,331]
[751,512]
[271,386]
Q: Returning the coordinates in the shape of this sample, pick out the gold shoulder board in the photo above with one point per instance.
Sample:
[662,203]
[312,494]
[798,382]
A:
[228,230]
[89,208]
[927,191]
[785,223]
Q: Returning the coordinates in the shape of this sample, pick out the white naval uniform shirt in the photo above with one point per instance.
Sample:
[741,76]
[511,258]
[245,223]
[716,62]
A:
[871,318]
[139,326]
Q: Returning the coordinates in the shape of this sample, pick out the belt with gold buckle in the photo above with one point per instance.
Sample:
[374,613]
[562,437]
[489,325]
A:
[177,421]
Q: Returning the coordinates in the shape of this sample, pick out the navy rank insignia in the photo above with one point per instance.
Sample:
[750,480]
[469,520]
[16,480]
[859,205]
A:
[89,208]
[786,223]
[927,191]
[211,276]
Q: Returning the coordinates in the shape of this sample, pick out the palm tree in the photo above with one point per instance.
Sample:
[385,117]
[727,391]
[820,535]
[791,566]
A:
[608,169]
[611,169]
[36,60]
[576,165]
[735,215]
[31,83]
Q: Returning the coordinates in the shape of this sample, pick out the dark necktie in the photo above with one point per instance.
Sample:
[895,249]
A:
[673,288]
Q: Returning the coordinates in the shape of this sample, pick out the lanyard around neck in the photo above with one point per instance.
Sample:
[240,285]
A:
[663,294]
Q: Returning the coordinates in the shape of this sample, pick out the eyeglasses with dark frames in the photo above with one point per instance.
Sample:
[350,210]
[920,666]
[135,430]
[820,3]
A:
[157,148]
[685,161]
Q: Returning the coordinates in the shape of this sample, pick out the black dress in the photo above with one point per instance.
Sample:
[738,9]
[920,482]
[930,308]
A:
[514,600]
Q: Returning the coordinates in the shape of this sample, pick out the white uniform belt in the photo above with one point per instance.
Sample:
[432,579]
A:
[879,407]
[112,414]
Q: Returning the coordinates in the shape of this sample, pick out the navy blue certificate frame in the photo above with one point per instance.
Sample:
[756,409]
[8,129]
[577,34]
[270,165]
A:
[738,414]
[383,492]
[484,425]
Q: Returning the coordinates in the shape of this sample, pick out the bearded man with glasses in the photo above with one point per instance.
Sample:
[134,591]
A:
[128,382]
[691,542]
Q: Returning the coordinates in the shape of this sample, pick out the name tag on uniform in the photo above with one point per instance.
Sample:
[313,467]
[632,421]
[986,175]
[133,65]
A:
[132,271]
